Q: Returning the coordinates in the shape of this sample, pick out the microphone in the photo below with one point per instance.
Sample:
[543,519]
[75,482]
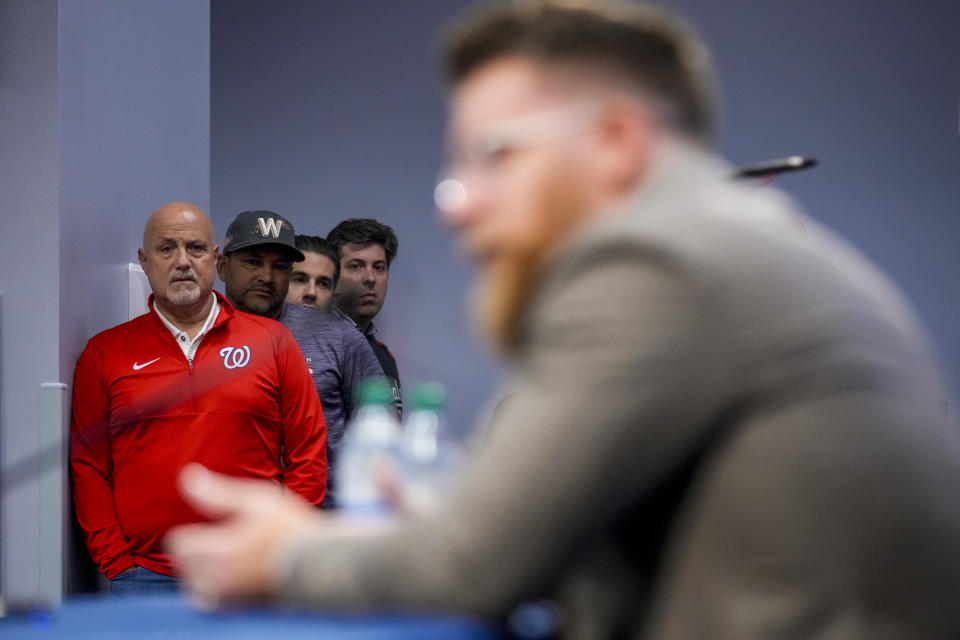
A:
[774,167]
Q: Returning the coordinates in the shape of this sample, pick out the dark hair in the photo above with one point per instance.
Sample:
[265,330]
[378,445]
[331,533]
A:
[364,231]
[653,50]
[316,244]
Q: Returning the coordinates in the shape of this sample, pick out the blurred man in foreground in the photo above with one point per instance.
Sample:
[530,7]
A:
[314,278]
[192,380]
[726,423]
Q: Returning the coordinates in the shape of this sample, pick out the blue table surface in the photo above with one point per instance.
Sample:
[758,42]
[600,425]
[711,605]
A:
[171,617]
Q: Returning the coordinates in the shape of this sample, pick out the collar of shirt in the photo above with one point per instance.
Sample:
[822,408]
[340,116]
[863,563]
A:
[188,346]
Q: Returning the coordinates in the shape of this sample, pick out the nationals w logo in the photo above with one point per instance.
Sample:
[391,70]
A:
[235,357]
[270,226]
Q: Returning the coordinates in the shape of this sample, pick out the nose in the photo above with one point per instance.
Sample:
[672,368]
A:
[183,259]
[265,274]
[310,292]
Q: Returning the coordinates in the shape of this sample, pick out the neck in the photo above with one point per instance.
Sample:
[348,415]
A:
[190,318]
[364,324]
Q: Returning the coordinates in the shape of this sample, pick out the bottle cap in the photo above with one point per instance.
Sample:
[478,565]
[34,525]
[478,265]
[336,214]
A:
[375,392]
[428,396]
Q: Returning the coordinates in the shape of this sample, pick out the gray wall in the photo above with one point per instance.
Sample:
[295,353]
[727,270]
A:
[870,87]
[324,111]
[134,134]
[331,110]
[29,272]
[131,132]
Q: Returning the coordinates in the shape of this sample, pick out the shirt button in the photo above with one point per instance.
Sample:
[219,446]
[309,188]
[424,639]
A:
[183,338]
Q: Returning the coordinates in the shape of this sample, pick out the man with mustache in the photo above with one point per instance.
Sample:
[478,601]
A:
[256,265]
[192,380]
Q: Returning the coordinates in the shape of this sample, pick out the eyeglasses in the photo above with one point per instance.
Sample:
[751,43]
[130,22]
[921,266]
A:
[483,156]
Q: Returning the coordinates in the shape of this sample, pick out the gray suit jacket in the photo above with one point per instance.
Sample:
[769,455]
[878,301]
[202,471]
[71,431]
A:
[726,424]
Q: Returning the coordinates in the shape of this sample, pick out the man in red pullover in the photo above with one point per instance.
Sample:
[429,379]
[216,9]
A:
[192,380]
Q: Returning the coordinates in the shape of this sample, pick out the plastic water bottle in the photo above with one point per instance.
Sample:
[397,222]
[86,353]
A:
[429,456]
[370,447]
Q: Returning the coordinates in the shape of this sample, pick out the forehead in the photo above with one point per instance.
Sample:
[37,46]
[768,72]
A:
[183,225]
[262,253]
[504,88]
[372,252]
[315,265]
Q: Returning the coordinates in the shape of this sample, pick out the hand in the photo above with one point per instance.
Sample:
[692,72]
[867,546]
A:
[234,559]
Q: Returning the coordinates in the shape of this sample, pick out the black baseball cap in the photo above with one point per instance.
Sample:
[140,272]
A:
[261,227]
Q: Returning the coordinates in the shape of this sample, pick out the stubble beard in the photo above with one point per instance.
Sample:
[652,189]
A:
[325,307]
[259,306]
[360,312]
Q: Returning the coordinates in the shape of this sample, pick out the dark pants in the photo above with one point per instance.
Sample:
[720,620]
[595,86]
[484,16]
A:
[142,582]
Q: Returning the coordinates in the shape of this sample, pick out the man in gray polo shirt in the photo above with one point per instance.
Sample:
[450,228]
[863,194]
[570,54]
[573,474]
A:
[255,266]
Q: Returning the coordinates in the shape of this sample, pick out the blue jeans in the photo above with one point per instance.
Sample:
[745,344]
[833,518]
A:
[142,582]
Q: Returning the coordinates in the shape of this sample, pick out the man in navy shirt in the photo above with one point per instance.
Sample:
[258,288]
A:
[255,266]
[366,248]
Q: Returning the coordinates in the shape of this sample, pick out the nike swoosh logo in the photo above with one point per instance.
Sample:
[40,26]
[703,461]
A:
[137,366]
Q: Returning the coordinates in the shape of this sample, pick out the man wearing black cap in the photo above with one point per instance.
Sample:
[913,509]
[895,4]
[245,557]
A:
[258,255]
[255,266]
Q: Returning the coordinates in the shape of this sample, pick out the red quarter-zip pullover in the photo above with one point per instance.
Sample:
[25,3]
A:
[246,406]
